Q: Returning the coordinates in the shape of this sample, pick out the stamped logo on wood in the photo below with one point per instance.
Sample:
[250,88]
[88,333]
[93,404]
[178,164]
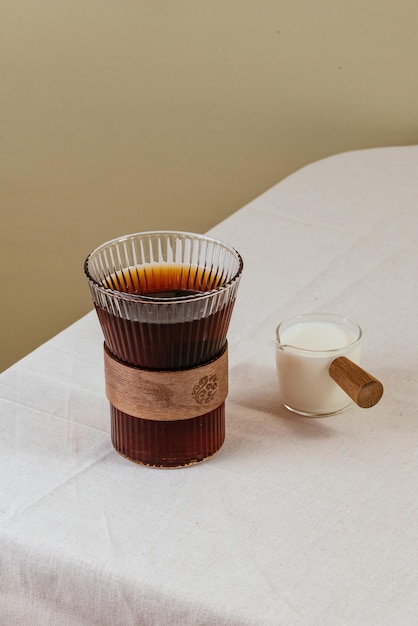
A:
[205,389]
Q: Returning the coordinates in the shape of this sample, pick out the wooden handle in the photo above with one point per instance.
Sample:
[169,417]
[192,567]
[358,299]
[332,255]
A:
[363,388]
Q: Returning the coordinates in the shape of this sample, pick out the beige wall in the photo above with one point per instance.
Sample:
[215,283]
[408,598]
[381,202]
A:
[126,115]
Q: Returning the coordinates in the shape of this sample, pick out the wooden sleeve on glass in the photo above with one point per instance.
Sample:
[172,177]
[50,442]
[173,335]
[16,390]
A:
[166,395]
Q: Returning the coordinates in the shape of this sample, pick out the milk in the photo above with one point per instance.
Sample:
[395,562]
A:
[306,345]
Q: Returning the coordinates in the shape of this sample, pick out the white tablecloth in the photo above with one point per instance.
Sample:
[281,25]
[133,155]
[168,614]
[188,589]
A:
[296,521]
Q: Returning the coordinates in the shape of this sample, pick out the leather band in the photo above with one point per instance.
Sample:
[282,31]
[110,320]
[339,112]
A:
[166,395]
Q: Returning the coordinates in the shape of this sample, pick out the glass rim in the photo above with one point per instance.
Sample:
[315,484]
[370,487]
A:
[342,320]
[136,297]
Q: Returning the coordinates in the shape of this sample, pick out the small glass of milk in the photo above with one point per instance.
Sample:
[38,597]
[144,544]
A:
[306,345]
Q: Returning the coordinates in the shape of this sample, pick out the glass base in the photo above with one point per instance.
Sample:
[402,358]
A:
[171,444]
[164,467]
[317,414]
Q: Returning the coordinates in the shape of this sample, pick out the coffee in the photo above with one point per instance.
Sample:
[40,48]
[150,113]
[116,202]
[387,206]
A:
[164,300]
[165,346]
[163,280]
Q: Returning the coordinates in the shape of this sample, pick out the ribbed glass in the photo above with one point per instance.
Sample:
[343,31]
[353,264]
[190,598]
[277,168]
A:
[164,301]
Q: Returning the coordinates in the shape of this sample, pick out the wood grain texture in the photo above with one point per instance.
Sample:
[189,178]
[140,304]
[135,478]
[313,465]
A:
[363,388]
[166,395]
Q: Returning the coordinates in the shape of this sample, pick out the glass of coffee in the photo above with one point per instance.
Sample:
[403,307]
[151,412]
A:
[164,302]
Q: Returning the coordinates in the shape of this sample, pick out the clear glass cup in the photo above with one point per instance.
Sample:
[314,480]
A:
[164,301]
[306,345]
